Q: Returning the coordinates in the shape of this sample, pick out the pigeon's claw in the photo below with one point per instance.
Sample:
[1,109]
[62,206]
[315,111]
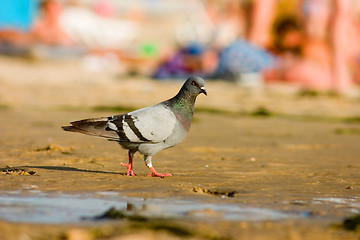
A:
[129,171]
[156,174]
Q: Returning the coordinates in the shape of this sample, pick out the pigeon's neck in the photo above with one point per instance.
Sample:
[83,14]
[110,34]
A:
[183,107]
[184,100]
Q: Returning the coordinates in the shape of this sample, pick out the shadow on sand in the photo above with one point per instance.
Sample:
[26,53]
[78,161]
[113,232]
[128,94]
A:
[70,169]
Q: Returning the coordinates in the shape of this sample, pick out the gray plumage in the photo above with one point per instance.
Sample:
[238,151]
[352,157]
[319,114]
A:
[147,130]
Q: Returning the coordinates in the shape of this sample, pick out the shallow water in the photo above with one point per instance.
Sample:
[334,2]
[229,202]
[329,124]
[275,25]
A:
[39,207]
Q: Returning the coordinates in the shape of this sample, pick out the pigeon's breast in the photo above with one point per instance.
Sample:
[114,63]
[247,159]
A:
[184,121]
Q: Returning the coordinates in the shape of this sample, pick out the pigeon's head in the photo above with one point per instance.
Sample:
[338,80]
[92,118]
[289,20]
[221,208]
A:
[195,85]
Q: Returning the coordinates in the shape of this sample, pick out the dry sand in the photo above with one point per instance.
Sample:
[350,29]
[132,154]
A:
[301,155]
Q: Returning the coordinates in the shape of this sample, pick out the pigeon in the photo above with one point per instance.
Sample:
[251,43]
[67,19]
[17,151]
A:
[147,130]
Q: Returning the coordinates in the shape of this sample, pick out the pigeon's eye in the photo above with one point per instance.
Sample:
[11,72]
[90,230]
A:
[193,83]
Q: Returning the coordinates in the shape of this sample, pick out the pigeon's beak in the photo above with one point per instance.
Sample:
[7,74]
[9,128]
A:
[203,90]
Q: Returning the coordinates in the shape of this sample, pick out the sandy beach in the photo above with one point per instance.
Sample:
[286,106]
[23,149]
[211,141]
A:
[287,163]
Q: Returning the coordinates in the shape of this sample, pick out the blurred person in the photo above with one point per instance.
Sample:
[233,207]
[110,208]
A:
[288,38]
[323,63]
[341,45]
[313,70]
[193,36]
[42,29]
[243,57]
[262,16]
[209,28]
[229,23]
[355,37]
[93,30]
[47,29]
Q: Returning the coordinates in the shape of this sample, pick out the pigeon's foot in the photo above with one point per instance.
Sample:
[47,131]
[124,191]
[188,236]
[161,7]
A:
[129,171]
[155,174]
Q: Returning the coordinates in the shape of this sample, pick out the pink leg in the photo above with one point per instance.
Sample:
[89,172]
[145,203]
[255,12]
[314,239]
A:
[129,165]
[148,163]
[155,174]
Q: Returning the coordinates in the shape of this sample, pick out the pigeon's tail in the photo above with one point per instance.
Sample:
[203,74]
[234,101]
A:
[94,127]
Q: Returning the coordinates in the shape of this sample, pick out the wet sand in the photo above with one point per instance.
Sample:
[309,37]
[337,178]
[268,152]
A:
[301,156]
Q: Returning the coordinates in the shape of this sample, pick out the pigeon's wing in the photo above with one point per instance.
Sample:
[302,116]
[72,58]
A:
[151,124]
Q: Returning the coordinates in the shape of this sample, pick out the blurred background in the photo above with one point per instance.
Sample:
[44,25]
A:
[309,44]
[281,120]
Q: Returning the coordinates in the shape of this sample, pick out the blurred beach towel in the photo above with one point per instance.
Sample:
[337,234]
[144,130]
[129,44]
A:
[18,14]
[242,57]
